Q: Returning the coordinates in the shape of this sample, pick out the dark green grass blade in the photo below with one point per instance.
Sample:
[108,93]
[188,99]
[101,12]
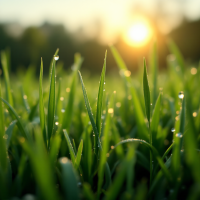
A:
[105,148]
[41,106]
[51,63]
[88,192]
[3,152]
[68,180]
[87,152]
[19,122]
[71,150]
[114,189]
[55,146]
[4,62]
[154,69]
[74,146]
[87,104]
[190,141]
[51,104]
[41,166]
[174,50]
[155,121]
[79,155]
[146,93]
[154,151]
[33,111]
[24,99]
[178,137]
[100,96]
[67,118]
[59,103]
[9,132]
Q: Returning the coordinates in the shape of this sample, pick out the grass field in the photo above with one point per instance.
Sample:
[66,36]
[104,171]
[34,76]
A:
[110,137]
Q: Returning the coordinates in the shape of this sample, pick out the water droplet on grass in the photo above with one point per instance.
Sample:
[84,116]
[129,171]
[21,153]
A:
[56,58]
[62,110]
[181,95]
[173,129]
[179,135]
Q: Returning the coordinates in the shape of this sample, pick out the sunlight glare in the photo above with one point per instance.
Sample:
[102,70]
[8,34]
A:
[138,34]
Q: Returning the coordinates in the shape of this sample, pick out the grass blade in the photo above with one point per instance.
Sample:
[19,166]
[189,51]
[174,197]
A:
[88,192]
[89,110]
[9,132]
[41,106]
[87,153]
[79,155]
[56,141]
[5,65]
[154,68]
[71,150]
[146,93]
[68,180]
[190,142]
[67,118]
[140,120]
[103,153]
[19,122]
[154,151]
[174,50]
[155,121]
[33,111]
[100,96]
[3,152]
[24,99]
[51,104]
[118,181]
[41,166]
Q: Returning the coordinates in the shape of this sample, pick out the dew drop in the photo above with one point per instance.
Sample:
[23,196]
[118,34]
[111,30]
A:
[179,135]
[56,123]
[56,58]
[181,95]
[62,110]
[173,129]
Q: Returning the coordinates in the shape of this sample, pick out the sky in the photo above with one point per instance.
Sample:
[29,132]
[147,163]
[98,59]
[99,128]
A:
[112,15]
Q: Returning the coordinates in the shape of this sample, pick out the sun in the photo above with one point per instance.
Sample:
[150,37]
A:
[138,34]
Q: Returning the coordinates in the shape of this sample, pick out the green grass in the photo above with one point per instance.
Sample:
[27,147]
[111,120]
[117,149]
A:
[71,136]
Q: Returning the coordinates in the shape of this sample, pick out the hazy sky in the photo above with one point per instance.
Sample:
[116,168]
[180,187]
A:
[114,15]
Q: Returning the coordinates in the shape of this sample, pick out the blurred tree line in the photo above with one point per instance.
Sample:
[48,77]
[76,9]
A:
[37,42]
